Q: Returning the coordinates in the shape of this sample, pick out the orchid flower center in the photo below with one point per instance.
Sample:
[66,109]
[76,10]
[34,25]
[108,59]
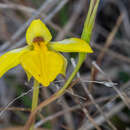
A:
[39,43]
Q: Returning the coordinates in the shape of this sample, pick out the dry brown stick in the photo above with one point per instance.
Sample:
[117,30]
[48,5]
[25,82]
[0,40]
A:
[65,127]
[22,29]
[31,10]
[97,106]
[17,7]
[68,116]
[117,96]
[83,108]
[106,46]
[100,119]
[3,31]
[20,128]
[124,86]
[77,107]
[93,100]
[86,112]
[109,39]
[113,54]
[90,119]
[13,14]
[45,93]
[74,108]
[79,5]
[51,117]
[43,104]
[112,85]
[16,109]
[41,116]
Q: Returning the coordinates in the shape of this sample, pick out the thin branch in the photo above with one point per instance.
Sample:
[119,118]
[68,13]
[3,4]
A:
[106,46]
[113,86]
[24,26]
[74,108]
[100,119]
[96,105]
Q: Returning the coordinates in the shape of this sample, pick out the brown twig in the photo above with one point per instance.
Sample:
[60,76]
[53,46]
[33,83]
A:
[16,109]
[71,22]
[106,46]
[41,105]
[100,119]
[23,27]
[113,86]
[93,101]
[74,108]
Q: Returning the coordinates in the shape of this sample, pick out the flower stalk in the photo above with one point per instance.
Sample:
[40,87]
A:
[86,35]
[35,99]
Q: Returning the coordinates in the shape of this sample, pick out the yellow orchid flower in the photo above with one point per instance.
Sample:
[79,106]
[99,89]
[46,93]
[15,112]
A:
[40,58]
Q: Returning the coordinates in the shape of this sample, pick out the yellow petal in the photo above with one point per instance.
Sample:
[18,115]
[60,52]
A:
[11,59]
[43,66]
[31,63]
[71,45]
[37,29]
[55,64]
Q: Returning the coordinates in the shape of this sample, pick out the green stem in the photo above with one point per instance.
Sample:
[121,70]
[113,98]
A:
[86,35]
[61,91]
[35,99]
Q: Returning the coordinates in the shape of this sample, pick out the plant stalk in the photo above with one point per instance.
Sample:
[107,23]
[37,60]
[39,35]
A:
[35,99]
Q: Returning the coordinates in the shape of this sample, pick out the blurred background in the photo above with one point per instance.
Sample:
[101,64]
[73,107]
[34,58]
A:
[101,99]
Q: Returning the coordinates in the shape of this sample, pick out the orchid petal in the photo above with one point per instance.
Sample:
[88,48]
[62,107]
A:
[37,29]
[71,45]
[11,59]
